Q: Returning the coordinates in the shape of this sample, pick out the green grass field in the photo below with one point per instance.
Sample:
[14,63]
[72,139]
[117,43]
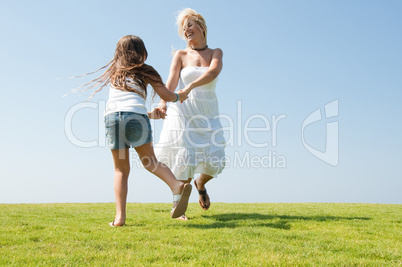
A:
[225,235]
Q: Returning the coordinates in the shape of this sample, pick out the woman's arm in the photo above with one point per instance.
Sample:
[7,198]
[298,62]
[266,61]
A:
[174,75]
[214,69]
[174,72]
[156,114]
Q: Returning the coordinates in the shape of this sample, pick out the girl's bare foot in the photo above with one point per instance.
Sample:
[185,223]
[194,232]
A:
[116,224]
[182,218]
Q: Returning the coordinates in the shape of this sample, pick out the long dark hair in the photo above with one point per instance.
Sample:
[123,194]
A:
[128,62]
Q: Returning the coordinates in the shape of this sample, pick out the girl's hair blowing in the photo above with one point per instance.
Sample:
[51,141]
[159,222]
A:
[126,67]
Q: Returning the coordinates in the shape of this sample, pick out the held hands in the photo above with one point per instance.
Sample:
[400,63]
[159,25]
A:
[157,113]
[183,95]
[185,91]
[162,106]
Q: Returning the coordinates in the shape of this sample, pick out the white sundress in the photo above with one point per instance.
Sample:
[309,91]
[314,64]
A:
[191,140]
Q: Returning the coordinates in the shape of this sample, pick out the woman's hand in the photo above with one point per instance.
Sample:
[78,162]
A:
[157,113]
[185,91]
[183,95]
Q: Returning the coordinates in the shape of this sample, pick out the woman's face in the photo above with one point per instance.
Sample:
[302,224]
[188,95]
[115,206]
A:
[193,32]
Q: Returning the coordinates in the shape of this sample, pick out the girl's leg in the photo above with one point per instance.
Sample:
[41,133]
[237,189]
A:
[187,181]
[200,185]
[121,172]
[148,159]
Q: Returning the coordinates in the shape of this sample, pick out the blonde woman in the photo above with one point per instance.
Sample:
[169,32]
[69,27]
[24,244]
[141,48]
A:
[191,139]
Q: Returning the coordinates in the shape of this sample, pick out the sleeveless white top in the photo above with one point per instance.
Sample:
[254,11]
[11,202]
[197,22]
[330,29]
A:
[120,100]
[191,140]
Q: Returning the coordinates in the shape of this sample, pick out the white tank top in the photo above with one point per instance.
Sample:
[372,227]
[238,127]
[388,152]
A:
[120,100]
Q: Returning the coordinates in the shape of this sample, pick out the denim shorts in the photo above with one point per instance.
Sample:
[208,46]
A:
[125,129]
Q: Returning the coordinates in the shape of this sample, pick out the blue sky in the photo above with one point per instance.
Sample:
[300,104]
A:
[282,59]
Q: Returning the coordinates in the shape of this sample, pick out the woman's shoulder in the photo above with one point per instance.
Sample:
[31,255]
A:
[179,55]
[217,51]
[181,52]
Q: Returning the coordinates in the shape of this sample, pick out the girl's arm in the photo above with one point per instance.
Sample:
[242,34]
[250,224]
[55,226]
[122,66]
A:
[214,69]
[167,95]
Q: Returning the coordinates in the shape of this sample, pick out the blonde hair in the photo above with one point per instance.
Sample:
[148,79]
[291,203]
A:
[184,16]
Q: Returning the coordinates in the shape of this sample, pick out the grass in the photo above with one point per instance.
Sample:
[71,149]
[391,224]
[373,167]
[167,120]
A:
[225,235]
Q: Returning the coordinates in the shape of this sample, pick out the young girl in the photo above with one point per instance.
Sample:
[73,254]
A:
[127,121]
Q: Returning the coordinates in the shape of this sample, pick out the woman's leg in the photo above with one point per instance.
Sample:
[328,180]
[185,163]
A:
[200,185]
[121,172]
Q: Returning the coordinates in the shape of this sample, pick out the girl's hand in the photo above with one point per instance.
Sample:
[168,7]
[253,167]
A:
[162,106]
[157,113]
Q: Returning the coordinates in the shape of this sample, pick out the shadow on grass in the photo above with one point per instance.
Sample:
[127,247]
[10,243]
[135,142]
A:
[233,220]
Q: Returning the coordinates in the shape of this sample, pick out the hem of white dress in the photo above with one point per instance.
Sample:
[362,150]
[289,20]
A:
[186,178]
